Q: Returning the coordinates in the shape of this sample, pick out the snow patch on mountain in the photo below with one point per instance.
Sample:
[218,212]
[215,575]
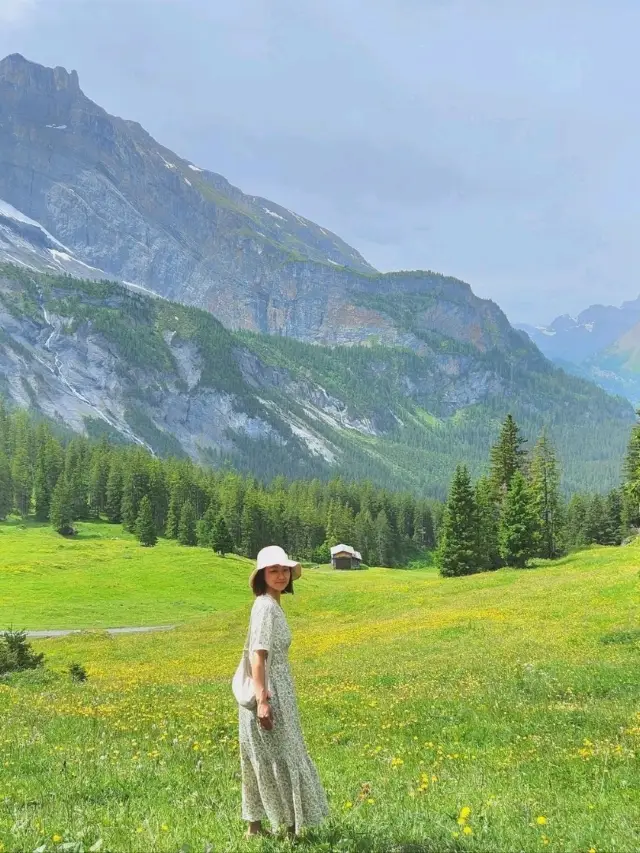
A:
[274,214]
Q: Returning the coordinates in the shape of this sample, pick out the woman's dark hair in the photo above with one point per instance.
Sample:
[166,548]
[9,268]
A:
[259,583]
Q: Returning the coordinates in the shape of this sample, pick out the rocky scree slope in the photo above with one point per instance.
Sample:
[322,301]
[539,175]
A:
[101,359]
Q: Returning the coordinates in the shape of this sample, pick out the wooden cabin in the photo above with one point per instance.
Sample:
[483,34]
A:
[345,557]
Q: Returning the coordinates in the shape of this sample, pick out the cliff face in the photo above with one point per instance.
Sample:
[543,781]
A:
[123,204]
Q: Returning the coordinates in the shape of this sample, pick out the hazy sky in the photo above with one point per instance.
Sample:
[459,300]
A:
[492,140]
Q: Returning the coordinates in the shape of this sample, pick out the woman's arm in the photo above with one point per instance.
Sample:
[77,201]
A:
[259,675]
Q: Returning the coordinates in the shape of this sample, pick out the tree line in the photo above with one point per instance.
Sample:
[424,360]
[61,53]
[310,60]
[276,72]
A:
[68,479]
[517,512]
[514,513]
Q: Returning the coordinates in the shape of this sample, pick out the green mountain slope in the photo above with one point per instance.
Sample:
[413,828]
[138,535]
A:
[101,358]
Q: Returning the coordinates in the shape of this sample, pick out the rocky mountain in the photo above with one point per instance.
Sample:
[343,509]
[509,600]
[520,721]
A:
[121,203]
[230,331]
[100,358]
[601,344]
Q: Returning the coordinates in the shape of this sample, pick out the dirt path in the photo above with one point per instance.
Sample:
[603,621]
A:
[43,635]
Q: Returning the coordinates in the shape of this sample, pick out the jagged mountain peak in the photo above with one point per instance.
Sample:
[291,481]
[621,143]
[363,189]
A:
[124,203]
[22,72]
[599,343]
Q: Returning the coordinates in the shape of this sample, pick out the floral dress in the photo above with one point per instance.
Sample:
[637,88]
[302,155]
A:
[279,780]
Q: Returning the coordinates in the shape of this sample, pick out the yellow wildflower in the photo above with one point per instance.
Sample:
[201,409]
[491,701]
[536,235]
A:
[465,811]
[467,830]
[56,839]
[541,820]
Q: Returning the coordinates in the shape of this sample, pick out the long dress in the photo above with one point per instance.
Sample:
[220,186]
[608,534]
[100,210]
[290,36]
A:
[279,780]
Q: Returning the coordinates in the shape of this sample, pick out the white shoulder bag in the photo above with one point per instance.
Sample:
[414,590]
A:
[242,683]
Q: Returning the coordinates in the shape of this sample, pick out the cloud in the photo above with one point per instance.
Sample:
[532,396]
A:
[16,12]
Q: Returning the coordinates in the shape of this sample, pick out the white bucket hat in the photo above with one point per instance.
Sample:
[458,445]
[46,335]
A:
[274,555]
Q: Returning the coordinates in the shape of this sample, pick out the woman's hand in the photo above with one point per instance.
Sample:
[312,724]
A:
[259,672]
[265,714]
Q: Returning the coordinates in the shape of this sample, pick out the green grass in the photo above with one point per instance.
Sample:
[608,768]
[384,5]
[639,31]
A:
[104,579]
[515,694]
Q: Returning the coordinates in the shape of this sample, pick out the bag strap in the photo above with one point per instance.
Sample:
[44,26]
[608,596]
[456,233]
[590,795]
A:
[247,649]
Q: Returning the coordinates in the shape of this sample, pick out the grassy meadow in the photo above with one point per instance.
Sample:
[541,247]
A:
[497,712]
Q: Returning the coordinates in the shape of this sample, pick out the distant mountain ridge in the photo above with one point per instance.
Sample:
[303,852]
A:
[602,344]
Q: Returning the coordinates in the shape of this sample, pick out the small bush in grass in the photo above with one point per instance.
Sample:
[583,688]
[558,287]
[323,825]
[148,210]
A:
[77,672]
[16,653]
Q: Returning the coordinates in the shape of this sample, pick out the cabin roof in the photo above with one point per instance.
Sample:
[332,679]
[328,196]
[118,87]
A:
[345,549]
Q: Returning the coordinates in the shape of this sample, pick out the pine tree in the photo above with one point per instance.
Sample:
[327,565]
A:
[61,513]
[145,527]
[41,494]
[364,537]
[631,486]
[518,527]
[231,494]
[4,429]
[76,474]
[613,519]
[173,513]
[458,550]
[423,526]
[405,517]
[488,525]
[251,525]
[80,493]
[136,485]
[205,527]
[114,491]
[221,540]
[545,491]
[596,521]
[507,457]
[384,540]
[339,524]
[187,525]
[158,494]
[575,525]
[49,465]
[22,478]
[98,481]
[6,487]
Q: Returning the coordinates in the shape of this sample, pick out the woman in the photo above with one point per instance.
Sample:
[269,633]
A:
[279,780]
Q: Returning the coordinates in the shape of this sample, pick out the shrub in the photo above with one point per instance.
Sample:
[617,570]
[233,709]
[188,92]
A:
[16,653]
[77,672]
[321,555]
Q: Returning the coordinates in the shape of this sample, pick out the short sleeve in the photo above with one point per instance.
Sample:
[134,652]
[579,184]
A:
[262,617]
